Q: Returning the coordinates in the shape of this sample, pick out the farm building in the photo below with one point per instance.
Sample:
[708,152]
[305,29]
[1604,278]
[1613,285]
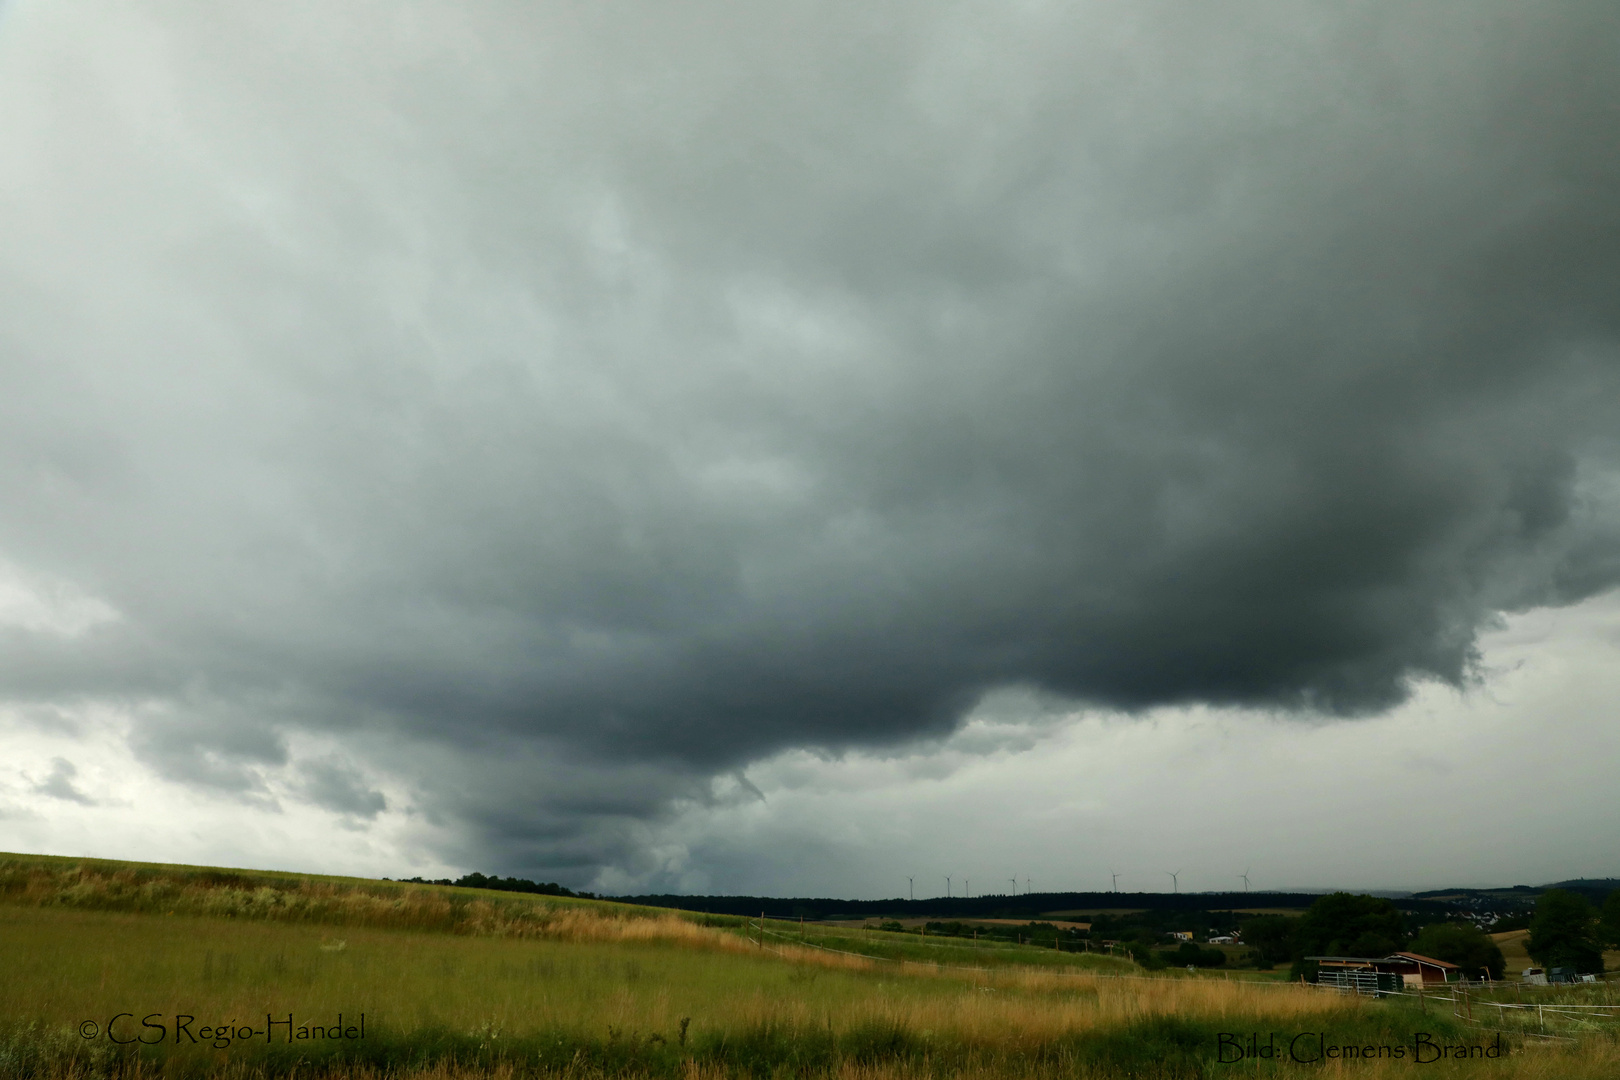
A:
[1412,968]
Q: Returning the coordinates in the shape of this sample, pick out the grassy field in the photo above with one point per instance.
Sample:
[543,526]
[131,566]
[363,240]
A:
[885,945]
[457,983]
[1512,943]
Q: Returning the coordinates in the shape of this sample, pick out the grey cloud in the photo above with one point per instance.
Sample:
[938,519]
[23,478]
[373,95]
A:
[535,803]
[212,747]
[59,785]
[630,395]
[338,786]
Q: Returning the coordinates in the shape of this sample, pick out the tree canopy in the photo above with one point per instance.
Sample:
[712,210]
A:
[1610,925]
[1342,924]
[1272,936]
[1463,944]
[1564,932]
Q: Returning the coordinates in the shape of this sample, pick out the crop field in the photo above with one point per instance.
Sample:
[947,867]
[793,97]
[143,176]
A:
[121,970]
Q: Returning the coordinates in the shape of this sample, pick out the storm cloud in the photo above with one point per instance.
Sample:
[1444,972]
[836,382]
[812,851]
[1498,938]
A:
[564,405]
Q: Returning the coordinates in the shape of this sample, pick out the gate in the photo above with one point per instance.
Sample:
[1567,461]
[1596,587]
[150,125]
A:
[1371,983]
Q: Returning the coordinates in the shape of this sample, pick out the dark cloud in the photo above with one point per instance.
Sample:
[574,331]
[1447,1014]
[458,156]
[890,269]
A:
[599,401]
[59,785]
[211,747]
[337,785]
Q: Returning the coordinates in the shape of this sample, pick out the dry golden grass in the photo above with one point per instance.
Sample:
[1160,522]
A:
[278,898]
[88,886]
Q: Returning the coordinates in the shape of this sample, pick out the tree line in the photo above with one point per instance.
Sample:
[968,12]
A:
[500,884]
[1566,930]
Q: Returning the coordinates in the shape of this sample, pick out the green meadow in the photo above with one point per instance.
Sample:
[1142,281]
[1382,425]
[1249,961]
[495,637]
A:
[126,970]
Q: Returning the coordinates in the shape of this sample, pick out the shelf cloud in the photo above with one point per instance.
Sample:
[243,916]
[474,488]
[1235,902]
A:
[563,406]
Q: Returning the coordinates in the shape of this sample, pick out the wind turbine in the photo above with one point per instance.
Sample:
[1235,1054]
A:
[911,887]
[1245,877]
[1015,885]
[1026,886]
[1175,882]
[947,886]
[1115,877]
[967,887]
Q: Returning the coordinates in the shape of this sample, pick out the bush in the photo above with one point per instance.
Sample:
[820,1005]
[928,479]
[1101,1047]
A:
[1145,956]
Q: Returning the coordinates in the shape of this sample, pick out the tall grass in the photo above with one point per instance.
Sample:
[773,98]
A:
[90,885]
[456,983]
[93,886]
[630,1000]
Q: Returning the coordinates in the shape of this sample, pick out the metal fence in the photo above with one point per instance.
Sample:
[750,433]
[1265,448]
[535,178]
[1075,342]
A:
[1371,983]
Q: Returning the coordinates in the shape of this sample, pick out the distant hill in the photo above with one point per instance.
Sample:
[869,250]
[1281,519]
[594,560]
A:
[995,906]
[1594,889]
[1517,896]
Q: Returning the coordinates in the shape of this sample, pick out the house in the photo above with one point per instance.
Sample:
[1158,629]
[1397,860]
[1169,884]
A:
[1181,935]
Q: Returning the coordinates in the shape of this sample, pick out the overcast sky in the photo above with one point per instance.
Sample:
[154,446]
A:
[789,447]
